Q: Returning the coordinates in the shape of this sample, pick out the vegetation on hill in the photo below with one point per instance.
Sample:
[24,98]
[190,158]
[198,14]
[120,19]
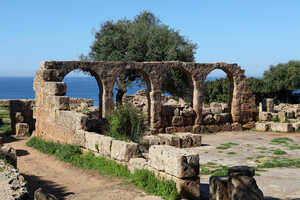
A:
[144,38]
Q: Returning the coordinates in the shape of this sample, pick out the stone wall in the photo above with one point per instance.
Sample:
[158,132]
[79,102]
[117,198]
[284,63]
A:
[21,111]
[52,104]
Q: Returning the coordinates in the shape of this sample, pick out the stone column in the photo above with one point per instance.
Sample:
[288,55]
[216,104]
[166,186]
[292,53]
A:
[155,109]
[197,100]
[270,105]
[107,97]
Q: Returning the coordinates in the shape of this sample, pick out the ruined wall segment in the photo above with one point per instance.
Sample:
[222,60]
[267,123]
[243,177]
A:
[55,120]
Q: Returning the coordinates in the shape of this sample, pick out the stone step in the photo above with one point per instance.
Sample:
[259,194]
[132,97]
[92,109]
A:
[180,140]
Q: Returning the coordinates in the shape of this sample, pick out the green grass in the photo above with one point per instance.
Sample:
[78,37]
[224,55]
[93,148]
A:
[5,129]
[226,145]
[276,119]
[279,152]
[282,140]
[231,153]
[262,148]
[143,179]
[294,147]
[284,162]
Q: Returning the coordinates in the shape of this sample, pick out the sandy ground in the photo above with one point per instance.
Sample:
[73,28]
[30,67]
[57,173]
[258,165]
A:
[67,182]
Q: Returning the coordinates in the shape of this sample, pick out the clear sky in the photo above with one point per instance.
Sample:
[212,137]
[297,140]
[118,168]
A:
[254,34]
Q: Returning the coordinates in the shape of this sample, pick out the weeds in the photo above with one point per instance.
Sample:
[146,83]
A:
[282,140]
[226,145]
[279,152]
[143,179]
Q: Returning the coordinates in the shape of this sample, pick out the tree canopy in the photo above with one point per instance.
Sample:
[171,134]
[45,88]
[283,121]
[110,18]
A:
[279,82]
[144,38]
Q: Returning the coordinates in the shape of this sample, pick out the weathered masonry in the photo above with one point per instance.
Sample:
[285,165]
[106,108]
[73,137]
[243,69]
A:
[52,109]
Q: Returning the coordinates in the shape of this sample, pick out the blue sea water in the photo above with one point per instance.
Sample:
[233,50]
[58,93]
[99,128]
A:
[80,87]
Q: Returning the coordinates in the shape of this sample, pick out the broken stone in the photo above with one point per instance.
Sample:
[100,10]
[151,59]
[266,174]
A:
[137,163]
[281,127]
[22,129]
[177,121]
[262,126]
[265,116]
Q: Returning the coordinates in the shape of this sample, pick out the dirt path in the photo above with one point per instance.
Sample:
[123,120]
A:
[67,182]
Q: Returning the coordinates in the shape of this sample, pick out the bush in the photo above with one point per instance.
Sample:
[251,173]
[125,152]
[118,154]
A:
[127,123]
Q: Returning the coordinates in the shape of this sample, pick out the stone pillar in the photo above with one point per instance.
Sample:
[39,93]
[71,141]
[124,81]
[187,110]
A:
[107,97]
[270,105]
[155,109]
[197,100]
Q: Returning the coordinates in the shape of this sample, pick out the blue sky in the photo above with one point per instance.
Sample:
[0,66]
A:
[254,34]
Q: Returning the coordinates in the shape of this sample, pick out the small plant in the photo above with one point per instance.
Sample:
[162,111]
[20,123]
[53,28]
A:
[226,145]
[279,152]
[282,140]
[276,119]
[206,131]
[286,120]
[294,147]
[231,153]
[127,123]
[97,147]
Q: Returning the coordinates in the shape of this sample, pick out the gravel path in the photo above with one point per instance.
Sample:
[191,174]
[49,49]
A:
[67,182]
[4,188]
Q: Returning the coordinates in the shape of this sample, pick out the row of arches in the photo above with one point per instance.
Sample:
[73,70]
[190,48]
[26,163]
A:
[81,84]
[106,74]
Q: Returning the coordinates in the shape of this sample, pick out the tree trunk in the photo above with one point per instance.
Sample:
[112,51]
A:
[119,96]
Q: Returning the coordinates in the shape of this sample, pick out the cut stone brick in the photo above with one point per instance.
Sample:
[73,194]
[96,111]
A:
[123,151]
[137,163]
[282,127]
[174,161]
[98,143]
[22,129]
[262,126]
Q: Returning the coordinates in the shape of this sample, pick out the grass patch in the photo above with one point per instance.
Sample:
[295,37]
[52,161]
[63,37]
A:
[279,152]
[294,147]
[231,153]
[262,148]
[143,179]
[282,140]
[226,145]
[276,119]
[5,129]
[284,162]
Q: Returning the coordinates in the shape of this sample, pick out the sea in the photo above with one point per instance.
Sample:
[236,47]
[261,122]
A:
[77,87]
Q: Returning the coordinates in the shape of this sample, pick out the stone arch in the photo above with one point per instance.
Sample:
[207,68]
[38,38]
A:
[146,79]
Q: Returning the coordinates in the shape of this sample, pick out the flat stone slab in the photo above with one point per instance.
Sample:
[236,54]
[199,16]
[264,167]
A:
[174,161]
[123,151]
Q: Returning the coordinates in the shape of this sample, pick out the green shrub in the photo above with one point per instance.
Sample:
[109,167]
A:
[276,119]
[127,123]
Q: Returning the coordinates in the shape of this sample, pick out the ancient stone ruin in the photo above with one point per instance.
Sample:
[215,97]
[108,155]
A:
[52,106]
[76,121]
[278,118]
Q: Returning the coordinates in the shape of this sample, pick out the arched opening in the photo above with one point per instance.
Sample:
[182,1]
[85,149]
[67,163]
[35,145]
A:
[133,86]
[84,90]
[177,101]
[218,89]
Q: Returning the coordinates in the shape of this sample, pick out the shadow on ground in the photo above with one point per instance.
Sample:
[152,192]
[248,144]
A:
[35,182]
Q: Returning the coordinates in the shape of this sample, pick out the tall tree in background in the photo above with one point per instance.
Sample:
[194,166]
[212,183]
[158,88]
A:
[143,39]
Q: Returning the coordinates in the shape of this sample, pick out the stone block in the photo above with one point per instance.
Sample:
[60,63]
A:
[281,127]
[19,117]
[248,125]
[174,161]
[198,129]
[137,163]
[236,126]
[270,105]
[150,140]
[170,129]
[169,139]
[290,114]
[218,188]
[58,102]
[262,126]
[123,151]
[98,143]
[177,121]
[282,116]
[226,127]
[213,128]
[54,88]
[296,125]
[216,110]
[22,129]
[241,171]
[189,140]
[264,116]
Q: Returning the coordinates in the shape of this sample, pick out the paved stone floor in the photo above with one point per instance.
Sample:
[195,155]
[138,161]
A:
[254,148]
